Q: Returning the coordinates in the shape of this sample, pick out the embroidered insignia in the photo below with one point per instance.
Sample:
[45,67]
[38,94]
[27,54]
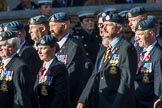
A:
[113,70]
[145,78]
[44,91]
[4,87]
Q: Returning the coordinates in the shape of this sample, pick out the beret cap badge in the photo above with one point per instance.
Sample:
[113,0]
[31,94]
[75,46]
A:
[52,19]
[103,14]
[129,14]
[0,38]
[107,17]
[5,28]
[42,42]
[139,27]
[31,21]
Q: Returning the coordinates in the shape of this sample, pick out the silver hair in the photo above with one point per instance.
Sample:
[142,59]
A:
[14,40]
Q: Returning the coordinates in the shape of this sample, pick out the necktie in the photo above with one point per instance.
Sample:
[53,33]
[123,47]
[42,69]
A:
[108,50]
[41,72]
[142,54]
[1,67]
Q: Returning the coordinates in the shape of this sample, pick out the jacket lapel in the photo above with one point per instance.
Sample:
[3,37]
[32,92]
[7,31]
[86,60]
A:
[116,48]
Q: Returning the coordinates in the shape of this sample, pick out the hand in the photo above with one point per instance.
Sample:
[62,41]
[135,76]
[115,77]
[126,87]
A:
[157,104]
[80,105]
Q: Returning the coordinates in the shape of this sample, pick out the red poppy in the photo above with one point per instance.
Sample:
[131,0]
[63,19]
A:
[147,58]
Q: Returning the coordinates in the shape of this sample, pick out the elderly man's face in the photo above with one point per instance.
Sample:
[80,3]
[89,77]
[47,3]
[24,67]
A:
[143,38]
[109,30]
[6,50]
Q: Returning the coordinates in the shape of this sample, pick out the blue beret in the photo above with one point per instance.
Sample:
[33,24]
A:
[59,17]
[40,19]
[47,40]
[124,14]
[112,17]
[145,25]
[7,35]
[153,18]
[106,11]
[14,26]
[136,11]
[44,1]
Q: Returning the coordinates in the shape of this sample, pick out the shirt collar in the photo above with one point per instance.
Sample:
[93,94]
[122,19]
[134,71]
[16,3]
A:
[21,45]
[150,47]
[6,61]
[115,41]
[47,65]
[63,40]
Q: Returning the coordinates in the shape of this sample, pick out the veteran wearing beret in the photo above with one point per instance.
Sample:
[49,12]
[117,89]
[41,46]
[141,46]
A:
[112,81]
[157,28]
[71,53]
[51,87]
[45,7]
[88,34]
[15,76]
[25,50]
[135,15]
[148,76]
[38,27]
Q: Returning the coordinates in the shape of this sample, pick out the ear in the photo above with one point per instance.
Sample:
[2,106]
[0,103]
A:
[152,34]
[43,28]
[119,29]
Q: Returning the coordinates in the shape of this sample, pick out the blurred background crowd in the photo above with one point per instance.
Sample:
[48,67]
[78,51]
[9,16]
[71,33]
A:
[10,5]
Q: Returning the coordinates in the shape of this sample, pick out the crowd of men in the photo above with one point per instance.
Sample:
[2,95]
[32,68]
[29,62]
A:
[116,64]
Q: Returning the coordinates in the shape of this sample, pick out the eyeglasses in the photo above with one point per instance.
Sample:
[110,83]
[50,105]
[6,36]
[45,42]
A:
[100,25]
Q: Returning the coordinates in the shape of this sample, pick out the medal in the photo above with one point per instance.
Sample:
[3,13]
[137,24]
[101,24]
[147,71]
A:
[44,91]
[4,86]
